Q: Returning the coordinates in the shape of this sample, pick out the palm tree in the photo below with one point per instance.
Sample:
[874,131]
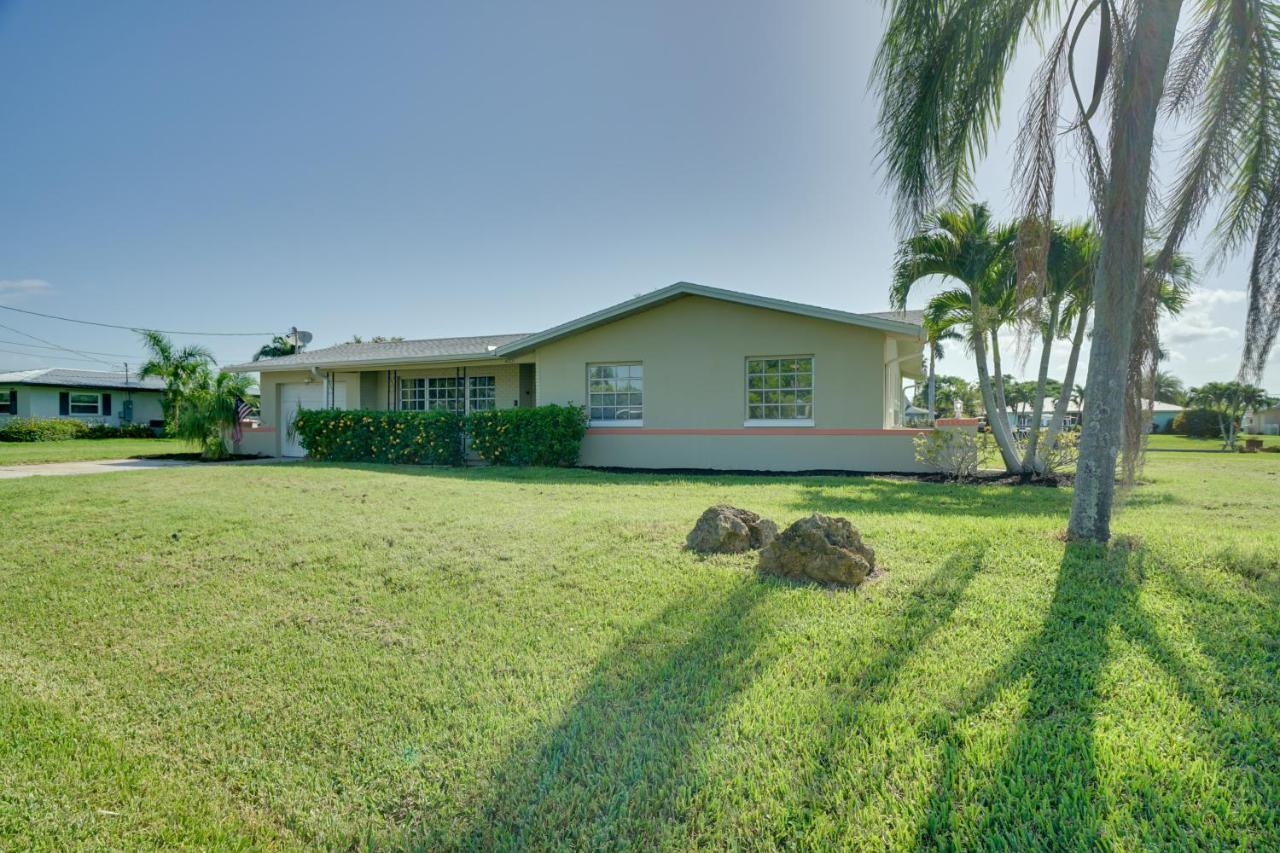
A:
[279,346]
[941,70]
[178,367]
[1166,388]
[936,337]
[965,245]
[1230,400]
[209,410]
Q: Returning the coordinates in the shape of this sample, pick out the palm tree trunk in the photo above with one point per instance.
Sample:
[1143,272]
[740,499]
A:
[1120,267]
[996,420]
[933,388]
[1001,400]
[1068,383]
[1030,458]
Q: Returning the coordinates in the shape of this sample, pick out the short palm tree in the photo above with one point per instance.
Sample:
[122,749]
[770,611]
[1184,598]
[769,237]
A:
[967,246]
[941,72]
[177,366]
[209,410]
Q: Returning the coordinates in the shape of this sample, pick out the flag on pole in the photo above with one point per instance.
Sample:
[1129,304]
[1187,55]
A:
[243,410]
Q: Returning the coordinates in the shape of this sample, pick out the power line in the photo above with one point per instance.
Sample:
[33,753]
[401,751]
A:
[89,351]
[140,328]
[62,357]
[57,346]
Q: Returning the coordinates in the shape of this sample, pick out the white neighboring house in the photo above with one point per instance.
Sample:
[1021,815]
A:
[91,396]
[1262,422]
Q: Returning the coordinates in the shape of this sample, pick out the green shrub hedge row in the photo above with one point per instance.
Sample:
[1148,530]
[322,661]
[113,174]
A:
[62,429]
[400,438]
[546,435]
[1198,423]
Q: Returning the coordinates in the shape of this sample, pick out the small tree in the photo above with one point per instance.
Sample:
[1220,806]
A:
[1229,400]
[279,346]
[209,410]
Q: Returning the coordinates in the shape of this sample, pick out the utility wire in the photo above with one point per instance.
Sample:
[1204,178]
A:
[57,346]
[89,351]
[140,328]
[61,357]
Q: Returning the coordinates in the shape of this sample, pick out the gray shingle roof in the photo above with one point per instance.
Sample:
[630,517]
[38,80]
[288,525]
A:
[429,349]
[66,378]
[916,318]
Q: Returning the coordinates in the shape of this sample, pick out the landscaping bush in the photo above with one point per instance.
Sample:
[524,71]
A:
[1198,423]
[121,431]
[951,452]
[42,429]
[544,435]
[404,438]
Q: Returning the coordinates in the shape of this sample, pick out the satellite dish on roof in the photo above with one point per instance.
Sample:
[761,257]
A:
[297,338]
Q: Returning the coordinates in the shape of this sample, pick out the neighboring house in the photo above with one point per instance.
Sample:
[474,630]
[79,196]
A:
[684,377]
[91,396]
[1262,422]
[1162,415]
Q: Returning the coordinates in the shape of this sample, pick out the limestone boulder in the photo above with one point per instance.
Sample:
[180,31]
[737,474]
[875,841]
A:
[729,530]
[820,548]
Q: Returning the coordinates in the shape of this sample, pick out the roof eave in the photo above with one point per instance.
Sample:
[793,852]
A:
[267,366]
[684,288]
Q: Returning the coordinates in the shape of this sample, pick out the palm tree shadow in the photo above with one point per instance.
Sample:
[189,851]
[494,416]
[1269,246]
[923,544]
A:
[1045,790]
[618,756]
[1048,789]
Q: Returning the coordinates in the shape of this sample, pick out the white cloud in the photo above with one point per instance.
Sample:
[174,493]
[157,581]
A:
[1197,321]
[14,289]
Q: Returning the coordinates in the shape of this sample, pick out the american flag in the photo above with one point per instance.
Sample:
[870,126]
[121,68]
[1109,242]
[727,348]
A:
[243,410]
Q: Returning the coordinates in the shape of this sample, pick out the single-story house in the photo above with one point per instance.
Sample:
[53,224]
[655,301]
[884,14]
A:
[1162,415]
[687,376]
[92,396]
[1262,422]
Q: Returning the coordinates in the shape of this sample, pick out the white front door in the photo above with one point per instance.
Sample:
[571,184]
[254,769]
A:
[303,395]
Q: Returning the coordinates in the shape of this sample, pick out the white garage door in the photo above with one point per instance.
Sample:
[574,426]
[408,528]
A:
[300,395]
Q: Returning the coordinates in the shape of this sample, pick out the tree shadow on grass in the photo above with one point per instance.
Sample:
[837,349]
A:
[1048,788]
[625,761]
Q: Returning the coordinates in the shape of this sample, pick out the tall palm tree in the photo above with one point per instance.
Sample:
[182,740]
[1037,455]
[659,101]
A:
[1167,388]
[941,71]
[177,366]
[967,246]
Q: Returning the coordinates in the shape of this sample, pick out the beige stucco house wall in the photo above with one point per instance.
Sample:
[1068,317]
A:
[692,345]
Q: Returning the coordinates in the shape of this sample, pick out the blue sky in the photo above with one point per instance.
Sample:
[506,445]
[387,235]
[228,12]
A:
[449,168]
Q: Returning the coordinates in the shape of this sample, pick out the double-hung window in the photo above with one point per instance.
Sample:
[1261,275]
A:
[780,391]
[482,393]
[615,394]
[85,404]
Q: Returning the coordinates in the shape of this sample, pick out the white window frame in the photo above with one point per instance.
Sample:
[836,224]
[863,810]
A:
[779,422]
[605,422]
[446,393]
[71,404]
[490,397]
[413,390]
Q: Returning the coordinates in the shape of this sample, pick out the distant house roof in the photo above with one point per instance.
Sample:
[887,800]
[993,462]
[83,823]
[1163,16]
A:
[899,322]
[1074,407]
[387,352]
[503,346]
[64,378]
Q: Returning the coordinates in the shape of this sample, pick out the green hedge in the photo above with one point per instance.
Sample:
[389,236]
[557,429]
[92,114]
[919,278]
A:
[1198,423]
[121,431]
[42,429]
[545,435]
[402,438]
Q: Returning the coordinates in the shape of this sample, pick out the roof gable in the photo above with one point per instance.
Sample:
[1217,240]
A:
[886,322]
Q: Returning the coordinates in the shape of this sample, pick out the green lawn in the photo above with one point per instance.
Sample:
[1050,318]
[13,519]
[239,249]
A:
[84,449]
[1182,442]
[321,656]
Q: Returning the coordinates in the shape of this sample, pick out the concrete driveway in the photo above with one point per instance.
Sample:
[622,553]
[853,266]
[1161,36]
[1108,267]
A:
[97,466]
